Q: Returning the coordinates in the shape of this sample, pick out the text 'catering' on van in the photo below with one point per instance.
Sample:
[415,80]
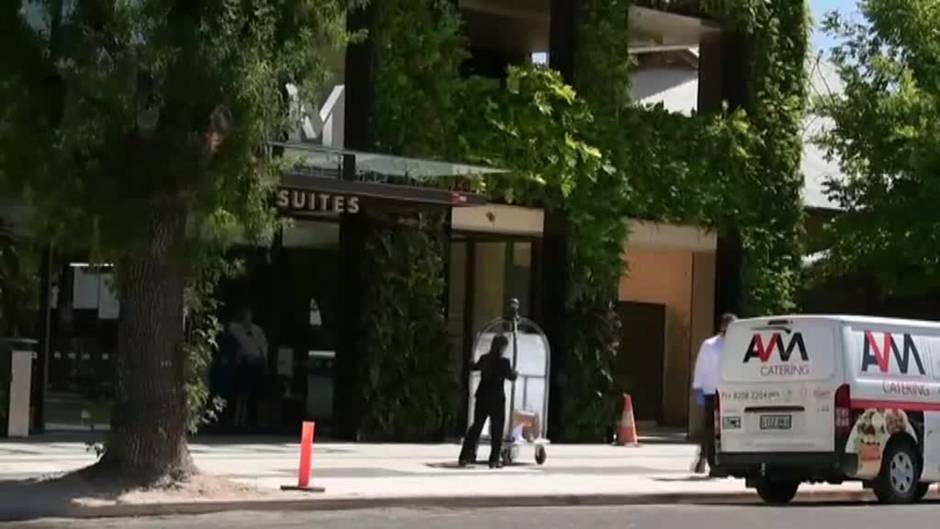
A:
[830,399]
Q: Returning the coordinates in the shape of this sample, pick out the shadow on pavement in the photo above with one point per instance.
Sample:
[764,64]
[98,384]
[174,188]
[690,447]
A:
[57,437]
[55,496]
[87,492]
[478,465]
[207,439]
[807,501]
[757,503]
[695,478]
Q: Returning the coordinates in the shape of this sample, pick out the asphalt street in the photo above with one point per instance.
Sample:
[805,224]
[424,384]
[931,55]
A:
[807,516]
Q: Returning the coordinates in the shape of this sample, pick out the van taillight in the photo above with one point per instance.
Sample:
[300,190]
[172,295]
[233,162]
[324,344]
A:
[843,410]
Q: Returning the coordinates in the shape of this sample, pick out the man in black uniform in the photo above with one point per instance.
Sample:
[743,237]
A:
[490,402]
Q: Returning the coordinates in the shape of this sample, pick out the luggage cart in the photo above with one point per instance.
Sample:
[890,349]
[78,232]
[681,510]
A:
[530,356]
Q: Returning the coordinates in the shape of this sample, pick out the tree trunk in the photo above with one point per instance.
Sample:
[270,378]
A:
[147,442]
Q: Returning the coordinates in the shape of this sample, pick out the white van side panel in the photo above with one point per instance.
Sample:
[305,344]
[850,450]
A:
[932,425]
[891,366]
[931,446]
[894,374]
[778,386]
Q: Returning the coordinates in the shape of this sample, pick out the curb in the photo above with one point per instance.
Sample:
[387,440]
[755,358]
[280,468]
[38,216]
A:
[423,502]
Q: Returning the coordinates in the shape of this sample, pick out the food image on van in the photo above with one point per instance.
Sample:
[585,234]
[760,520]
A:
[871,434]
[869,437]
[896,422]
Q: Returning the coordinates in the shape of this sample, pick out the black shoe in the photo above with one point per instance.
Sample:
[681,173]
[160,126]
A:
[496,464]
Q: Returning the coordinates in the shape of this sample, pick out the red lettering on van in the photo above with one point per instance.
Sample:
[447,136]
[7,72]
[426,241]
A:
[905,388]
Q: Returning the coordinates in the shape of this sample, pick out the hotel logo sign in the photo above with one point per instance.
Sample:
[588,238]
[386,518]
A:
[298,201]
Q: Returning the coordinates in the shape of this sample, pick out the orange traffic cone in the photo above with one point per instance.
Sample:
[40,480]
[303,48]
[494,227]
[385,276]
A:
[626,428]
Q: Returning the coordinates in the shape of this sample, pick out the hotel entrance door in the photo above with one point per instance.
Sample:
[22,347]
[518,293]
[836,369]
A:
[484,274]
[291,289]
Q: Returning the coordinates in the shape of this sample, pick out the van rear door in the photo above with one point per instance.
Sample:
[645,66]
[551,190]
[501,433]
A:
[778,385]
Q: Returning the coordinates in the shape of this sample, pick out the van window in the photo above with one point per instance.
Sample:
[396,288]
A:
[890,353]
[760,353]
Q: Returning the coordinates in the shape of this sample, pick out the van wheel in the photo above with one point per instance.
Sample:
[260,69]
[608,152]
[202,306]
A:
[900,473]
[777,492]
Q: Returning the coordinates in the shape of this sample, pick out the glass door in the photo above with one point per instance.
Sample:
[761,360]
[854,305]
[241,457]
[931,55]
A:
[309,311]
[503,270]
[484,274]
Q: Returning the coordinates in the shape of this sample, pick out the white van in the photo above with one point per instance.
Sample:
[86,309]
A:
[830,399]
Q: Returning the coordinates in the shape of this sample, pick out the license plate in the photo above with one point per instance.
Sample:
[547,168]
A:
[776,422]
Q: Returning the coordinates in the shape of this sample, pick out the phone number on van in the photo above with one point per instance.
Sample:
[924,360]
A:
[751,395]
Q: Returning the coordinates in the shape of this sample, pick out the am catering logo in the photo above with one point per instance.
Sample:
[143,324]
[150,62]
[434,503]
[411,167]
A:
[880,354]
[765,353]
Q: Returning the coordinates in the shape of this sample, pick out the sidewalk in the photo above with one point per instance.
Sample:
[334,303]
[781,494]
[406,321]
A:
[367,475]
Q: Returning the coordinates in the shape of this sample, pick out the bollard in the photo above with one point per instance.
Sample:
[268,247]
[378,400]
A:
[306,454]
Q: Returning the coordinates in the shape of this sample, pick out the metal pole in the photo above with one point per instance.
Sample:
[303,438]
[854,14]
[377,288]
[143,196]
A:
[514,324]
[45,338]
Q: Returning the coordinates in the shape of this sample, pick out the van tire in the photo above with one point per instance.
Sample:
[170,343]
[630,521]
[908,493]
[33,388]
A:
[777,492]
[898,480]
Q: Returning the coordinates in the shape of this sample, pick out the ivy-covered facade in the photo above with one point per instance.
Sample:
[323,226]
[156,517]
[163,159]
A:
[578,148]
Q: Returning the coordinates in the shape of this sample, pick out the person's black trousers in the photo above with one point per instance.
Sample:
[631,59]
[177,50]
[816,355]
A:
[708,435]
[495,410]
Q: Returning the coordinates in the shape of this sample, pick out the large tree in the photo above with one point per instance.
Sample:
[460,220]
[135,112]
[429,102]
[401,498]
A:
[886,135]
[137,128]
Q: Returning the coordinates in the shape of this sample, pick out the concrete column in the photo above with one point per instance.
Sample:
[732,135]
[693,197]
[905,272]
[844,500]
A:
[702,325]
[724,71]
[554,278]
[359,89]
[710,74]
[563,37]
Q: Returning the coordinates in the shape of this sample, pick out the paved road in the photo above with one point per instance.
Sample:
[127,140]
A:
[808,516]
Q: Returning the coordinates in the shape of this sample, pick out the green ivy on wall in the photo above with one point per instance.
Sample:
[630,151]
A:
[602,66]
[772,265]
[408,371]
[599,160]
[407,379]
[735,171]
[759,195]
[597,211]
[540,129]
[771,217]
[418,48]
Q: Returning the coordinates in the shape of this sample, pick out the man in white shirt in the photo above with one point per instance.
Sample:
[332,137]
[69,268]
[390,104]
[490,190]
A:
[704,386]
[251,345]
[251,354]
